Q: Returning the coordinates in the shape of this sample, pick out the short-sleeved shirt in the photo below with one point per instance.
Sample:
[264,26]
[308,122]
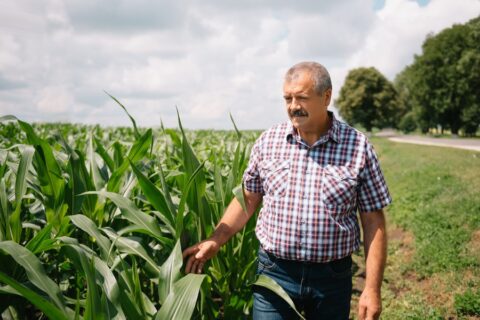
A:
[311,194]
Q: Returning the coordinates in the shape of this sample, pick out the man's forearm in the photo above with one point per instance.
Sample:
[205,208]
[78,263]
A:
[235,218]
[375,244]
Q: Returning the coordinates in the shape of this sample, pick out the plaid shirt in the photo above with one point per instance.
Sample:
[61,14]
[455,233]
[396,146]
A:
[311,194]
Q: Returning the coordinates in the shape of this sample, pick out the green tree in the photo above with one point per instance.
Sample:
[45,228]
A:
[369,99]
[441,87]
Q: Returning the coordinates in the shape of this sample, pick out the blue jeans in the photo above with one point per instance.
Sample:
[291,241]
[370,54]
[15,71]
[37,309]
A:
[320,290]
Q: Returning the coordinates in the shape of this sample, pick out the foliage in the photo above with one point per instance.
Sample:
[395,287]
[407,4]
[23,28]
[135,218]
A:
[93,221]
[468,303]
[407,123]
[367,98]
[441,86]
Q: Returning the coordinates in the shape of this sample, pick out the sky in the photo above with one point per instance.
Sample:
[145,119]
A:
[208,58]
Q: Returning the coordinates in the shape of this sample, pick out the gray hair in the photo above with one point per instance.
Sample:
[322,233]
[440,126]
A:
[320,75]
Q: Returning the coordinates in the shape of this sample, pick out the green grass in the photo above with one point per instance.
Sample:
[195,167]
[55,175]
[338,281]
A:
[436,198]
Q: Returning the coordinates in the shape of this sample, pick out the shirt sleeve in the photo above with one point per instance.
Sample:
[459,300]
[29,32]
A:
[373,192]
[251,176]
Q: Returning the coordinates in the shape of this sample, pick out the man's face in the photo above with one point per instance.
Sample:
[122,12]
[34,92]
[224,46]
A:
[307,109]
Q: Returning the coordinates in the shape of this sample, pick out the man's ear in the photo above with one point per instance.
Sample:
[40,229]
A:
[328,97]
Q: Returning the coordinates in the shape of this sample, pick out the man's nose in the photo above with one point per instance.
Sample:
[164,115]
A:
[295,105]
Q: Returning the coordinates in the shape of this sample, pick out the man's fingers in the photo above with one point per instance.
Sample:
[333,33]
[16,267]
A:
[189,251]
[188,267]
[362,312]
[200,267]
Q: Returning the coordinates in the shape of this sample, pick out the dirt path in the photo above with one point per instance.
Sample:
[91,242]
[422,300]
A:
[460,143]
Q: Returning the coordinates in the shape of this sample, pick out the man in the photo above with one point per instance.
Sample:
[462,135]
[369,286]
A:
[312,174]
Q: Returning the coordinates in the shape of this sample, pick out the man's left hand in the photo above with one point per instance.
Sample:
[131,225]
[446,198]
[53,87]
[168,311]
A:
[369,305]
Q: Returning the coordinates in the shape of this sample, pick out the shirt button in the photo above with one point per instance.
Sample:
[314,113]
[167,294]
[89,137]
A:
[302,221]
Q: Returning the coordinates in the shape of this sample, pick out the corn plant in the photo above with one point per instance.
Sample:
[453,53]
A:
[93,222]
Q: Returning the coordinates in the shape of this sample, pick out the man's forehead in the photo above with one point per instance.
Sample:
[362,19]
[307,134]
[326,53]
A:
[300,82]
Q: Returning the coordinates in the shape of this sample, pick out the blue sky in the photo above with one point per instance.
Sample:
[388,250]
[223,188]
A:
[207,57]
[379,4]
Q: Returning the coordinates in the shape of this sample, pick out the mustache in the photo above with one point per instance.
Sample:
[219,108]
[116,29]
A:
[298,113]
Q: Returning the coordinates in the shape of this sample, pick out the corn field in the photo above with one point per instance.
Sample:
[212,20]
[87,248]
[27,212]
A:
[93,222]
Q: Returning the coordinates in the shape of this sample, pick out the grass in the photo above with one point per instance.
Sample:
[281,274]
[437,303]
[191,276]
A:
[434,225]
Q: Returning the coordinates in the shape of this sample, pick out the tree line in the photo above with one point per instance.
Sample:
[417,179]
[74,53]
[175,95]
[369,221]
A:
[439,90]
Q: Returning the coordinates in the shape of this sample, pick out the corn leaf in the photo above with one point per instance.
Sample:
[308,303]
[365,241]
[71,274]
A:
[170,272]
[135,129]
[94,308]
[133,214]
[180,303]
[269,283]
[132,246]
[34,270]
[50,310]
[87,225]
[154,196]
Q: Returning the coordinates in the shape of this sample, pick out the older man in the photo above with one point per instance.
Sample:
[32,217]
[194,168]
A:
[312,174]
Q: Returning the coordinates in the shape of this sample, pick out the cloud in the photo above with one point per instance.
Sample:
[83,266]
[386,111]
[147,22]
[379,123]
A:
[208,58]
[402,26]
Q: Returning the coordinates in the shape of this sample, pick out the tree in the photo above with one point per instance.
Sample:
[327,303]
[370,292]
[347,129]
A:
[369,99]
[441,87]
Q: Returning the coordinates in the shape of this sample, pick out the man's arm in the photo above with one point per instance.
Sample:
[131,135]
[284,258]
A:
[375,244]
[233,220]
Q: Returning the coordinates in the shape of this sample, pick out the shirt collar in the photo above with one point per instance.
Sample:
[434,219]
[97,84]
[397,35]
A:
[333,133]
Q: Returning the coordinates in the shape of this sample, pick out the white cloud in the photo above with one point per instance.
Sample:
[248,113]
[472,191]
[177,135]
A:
[55,100]
[208,58]
[402,26]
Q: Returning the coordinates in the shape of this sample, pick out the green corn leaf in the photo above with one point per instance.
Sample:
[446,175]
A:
[154,196]
[50,310]
[97,179]
[5,231]
[136,153]
[8,117]
[35,271]
[42,241]
[107,280]
[131,246]
[104,154]
[87,225]
[80,182]
[239,134]
[94,308]
[135,129]
[180,303]
[185,194]
[22,171]
[269,283]
[130,212]
[48,170]
[170,272]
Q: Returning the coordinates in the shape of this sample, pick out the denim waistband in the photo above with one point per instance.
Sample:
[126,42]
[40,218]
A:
[300,262]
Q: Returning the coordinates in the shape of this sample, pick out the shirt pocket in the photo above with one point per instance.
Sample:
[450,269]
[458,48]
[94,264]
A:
[339,186]
[274,174]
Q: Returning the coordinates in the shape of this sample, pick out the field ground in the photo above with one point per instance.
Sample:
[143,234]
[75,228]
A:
[433,268]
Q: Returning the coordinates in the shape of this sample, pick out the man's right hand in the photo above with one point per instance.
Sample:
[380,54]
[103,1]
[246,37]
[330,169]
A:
[199,254]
